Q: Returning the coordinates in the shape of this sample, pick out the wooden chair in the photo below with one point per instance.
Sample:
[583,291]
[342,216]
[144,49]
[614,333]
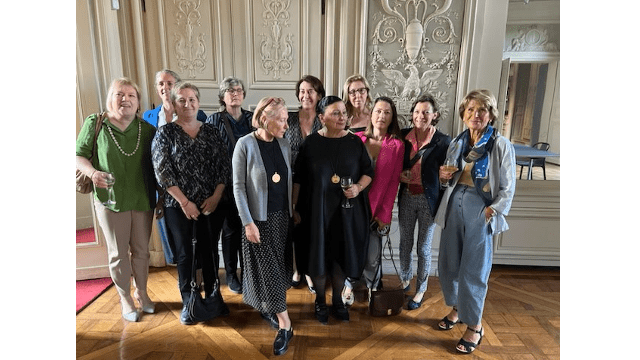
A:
[536,161]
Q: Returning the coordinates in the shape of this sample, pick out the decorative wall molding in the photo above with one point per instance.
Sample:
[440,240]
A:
[414,49]
[190,47]
[531,38]
[276,48]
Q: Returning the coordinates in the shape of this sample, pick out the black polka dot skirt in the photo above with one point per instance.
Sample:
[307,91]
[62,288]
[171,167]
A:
[268,266]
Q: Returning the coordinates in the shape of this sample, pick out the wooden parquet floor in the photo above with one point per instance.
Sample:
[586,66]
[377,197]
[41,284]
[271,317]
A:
[521,321]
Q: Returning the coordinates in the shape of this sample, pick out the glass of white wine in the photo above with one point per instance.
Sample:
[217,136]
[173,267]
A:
[450,167]
[346,182]
[111,199]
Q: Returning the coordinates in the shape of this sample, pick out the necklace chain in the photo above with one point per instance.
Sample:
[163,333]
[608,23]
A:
[118,145]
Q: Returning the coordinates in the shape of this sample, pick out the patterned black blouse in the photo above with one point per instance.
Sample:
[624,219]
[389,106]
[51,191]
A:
[196,166]
[294,133]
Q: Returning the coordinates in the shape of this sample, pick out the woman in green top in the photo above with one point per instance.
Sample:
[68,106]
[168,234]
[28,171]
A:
[123,149]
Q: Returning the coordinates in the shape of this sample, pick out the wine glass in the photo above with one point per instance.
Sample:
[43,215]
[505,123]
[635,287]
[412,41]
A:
[346,182]
[449,166]
[110,179]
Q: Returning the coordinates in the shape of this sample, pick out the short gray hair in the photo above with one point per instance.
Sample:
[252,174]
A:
[167,71]
[228,83]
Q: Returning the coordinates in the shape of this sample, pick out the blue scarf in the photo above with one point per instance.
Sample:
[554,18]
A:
[479,155]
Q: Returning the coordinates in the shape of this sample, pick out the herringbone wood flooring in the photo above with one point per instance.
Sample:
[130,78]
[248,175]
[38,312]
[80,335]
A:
[521,321]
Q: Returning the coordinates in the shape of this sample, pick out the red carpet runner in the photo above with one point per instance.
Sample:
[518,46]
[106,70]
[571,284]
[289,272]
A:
[88,290]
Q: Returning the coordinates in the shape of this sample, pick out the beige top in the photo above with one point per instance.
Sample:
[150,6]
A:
[465,177]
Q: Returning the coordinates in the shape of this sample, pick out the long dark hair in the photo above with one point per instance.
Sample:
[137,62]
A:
[394,127]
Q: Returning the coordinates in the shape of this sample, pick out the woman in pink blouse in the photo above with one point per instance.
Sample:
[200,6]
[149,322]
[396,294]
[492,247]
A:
[386,149]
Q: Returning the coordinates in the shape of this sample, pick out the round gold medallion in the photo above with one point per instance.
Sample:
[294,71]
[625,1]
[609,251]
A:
[335,179]
[275,178]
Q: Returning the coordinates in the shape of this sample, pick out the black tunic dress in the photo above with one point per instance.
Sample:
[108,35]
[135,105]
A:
[333,232]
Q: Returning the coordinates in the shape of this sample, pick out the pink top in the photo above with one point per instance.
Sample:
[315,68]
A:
[384,187]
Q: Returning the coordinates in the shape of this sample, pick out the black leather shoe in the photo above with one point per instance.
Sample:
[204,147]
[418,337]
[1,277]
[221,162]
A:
[412,305]
[234,284]
[322,314]
[340,312]
[185,318]
[281,344]
[272,319]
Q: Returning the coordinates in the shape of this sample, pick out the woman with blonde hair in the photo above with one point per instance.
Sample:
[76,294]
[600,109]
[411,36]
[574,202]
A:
[262,187]
[472,211]
[124,153]
[358,102]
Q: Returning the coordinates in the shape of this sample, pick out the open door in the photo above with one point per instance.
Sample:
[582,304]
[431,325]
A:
[502,96]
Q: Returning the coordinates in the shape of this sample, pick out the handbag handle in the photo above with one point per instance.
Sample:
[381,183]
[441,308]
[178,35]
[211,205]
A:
[387,244]
[95,136]
[194,241]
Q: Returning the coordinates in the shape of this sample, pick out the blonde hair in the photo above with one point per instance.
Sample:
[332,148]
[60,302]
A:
[345,93]
[266,102]
[123,81]
[486,98]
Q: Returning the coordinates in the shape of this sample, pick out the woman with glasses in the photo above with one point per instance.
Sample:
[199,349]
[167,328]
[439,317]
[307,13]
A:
[419,194]
[262,187]
[337,235]
[309,90]
[358,102]
[233,122]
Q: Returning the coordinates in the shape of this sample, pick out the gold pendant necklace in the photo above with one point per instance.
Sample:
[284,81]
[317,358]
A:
[276,177]
[335,179]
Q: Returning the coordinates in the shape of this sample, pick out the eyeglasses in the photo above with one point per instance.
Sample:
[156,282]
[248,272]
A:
[234,91]
[360,91]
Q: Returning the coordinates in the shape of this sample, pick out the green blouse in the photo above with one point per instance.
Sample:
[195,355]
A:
[135,184]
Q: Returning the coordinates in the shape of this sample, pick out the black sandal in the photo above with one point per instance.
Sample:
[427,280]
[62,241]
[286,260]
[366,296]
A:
[470,347]
[448,324]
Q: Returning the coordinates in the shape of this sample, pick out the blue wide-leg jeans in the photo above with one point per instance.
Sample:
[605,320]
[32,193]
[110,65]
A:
[465,257]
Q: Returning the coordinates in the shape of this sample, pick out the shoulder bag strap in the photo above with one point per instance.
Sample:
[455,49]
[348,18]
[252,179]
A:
[227,127]
[387,244]
[417,156]
[95,136]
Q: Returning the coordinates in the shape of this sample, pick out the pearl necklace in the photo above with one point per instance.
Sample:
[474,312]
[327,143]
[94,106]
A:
[118,145]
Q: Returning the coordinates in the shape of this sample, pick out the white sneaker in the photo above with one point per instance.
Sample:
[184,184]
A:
[347,298]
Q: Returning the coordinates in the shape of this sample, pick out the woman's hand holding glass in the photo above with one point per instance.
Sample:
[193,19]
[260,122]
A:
[446,171]
[347,187]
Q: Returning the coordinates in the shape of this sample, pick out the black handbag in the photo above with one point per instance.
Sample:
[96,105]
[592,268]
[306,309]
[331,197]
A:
[387,302]
[200,309]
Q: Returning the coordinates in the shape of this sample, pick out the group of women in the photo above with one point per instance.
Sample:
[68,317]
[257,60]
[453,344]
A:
[314,191]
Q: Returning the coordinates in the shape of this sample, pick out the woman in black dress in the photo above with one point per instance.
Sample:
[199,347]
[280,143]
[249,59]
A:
[337,236]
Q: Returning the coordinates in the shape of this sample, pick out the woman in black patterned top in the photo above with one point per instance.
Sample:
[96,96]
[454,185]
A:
[191,163]
[304,122]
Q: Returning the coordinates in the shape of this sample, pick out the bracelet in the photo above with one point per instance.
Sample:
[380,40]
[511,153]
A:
[185,203]
[93,173]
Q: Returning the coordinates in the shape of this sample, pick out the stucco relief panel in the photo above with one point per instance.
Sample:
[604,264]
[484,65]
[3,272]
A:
[189,38]
[413,48]
[533,38]
[275,39]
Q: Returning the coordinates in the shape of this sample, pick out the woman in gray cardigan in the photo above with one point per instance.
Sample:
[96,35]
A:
[262,184]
